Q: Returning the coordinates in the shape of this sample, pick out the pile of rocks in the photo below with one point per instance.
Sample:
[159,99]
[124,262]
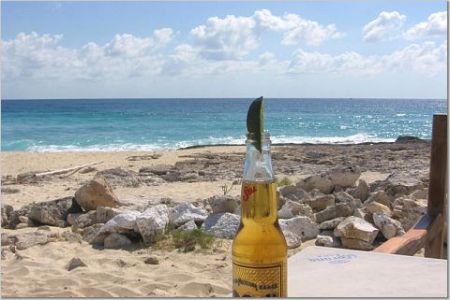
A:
[329,207]
[356,217]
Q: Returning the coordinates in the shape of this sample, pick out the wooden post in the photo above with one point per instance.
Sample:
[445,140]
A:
[437,187]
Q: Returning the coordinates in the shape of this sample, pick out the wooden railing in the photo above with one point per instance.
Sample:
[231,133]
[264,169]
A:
[429,231]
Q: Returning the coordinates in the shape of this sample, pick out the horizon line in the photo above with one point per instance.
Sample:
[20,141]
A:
[225,98]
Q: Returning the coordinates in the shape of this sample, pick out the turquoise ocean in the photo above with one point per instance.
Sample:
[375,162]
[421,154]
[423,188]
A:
[157,124]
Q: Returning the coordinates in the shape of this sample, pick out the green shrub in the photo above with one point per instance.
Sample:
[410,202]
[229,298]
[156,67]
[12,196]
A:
[284,181]
[187,240]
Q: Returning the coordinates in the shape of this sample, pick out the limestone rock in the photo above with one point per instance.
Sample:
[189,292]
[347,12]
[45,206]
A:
[222,225]
[300,226]
[120,177]
[344,197]
[53,212]
[91,232]
[356,244]
[321,202]
[295,193]
[376,207]
[321,182]
[152,222]
[188,226]
[30,239]
[361,192]
[75,263]
[122,222]
[344,176]
[186,212]
[291,209]
[356,228]
[408,211]
[96,192]
[325,241]
[104,214]
[293,240]
[380,197]
[388,226]
[223,204]
[82,220]
[332,212]
[116,241]
[331,224]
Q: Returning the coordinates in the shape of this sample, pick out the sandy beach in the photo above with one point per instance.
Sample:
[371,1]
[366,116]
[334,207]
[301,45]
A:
[156,270]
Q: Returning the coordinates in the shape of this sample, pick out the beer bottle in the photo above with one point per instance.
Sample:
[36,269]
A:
[259,248]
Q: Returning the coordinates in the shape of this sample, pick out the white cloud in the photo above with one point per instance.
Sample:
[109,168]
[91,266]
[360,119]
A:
[41,56]
[427,59]
[385,27]
[228,38]
[435,26]
[234,37]
[296,29]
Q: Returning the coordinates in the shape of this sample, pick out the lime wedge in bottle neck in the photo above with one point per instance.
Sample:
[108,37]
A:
[255,122]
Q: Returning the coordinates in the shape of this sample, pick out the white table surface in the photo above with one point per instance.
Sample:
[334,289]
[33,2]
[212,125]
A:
[334,272]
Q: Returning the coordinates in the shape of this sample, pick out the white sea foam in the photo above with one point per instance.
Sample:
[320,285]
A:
[400,115]
[277,139]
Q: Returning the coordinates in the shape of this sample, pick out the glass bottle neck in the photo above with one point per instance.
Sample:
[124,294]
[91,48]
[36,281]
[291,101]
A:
[258,165]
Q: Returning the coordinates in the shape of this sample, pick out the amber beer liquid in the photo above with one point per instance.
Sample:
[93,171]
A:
[259,247]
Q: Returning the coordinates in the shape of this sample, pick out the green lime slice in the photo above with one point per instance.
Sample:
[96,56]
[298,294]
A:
[255,122]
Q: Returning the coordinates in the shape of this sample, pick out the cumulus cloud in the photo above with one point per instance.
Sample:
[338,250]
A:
[296,29]
[234,37]
[427,59]
[385,27]
[228,38]
[435,26]
[42,56]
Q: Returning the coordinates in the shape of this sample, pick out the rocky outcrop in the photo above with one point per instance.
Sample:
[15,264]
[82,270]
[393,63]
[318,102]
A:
[153,222]
[321,202]
[356,233]
[120,177]
[291,209]
[300,226]
[223,204]
[116,241]
[376,207]
[97,192]
[361,192]
[222,225]
[344,176]
[53,213]
[331,224]
[186,212]
[188,226]
[332,212]
[321,182]
[388,226]
[294,192]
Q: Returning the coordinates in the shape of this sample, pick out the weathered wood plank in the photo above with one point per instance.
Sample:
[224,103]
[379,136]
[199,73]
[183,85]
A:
[437,188]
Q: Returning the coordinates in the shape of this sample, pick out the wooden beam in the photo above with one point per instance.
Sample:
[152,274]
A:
[437,187]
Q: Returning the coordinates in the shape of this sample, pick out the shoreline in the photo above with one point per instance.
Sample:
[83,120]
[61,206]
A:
[409,139]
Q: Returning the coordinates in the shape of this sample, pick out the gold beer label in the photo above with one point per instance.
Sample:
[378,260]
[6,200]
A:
[257,280]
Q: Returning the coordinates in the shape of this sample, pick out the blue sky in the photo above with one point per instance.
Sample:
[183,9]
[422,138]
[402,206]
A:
[377,49]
